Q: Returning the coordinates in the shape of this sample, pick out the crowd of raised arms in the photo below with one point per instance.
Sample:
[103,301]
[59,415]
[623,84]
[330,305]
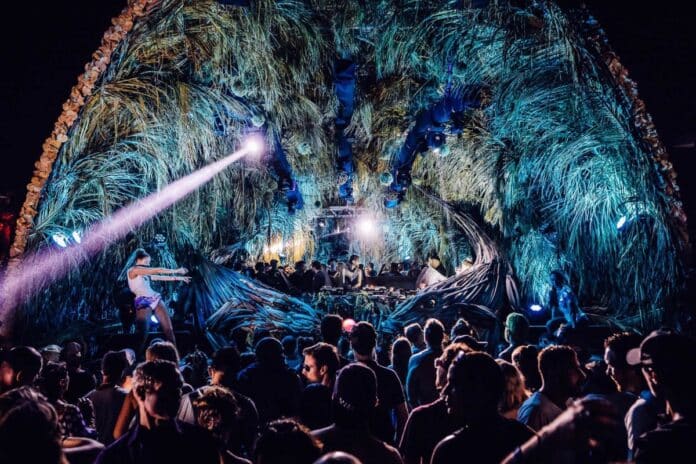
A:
[433,395]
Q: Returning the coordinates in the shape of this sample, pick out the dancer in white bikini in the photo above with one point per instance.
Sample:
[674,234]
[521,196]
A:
[146,299]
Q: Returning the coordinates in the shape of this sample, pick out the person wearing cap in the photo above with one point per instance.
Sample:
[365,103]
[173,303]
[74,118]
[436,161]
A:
[354,399]
[668,361]
[561,378]
[641,414]
[392,402]
[516,334]
[50,353]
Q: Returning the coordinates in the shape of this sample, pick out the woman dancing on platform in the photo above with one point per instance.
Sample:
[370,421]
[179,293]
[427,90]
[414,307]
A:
[146,299]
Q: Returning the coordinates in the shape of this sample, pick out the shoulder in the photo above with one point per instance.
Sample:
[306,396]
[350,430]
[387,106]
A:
[115,452]
[323,434]
[444,448]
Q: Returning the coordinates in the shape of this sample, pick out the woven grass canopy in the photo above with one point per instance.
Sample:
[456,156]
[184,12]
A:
[517,112]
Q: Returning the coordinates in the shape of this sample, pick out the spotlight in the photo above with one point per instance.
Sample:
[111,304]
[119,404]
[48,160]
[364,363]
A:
[321,223]
[366,226]
[76,236]
[60,239]
[535,308]
[153,319]
[253,145]
[621,222]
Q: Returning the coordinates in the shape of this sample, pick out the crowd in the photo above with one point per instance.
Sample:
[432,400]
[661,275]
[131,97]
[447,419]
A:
[299,278]
[430,396]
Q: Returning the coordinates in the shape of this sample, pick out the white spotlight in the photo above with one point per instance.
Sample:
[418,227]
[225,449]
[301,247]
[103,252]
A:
[366,226]
[60,239]
[535,308]
[253,145]
[153,319]
[76,236]
[621,222]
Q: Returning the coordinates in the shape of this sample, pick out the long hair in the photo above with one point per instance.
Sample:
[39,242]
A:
[139,253]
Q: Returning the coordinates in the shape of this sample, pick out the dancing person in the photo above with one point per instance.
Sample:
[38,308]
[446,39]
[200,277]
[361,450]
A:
[146,299]
[431,274]
[563,303]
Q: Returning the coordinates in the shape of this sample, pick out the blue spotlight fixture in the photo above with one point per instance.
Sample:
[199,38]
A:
[60,239]
[535,308]
[621,222]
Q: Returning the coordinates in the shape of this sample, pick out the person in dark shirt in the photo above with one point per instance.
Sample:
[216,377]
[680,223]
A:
[108,397]
[223,369]
[475,386]
[525,358]
[286,441]
[430,423]
[158,437]
[19,367]
[400,356]
[81,381]
[668,361]
[420,381]
[354,398]
[217,411]
[319,370]
[274,388]
[414,334]
[363,340]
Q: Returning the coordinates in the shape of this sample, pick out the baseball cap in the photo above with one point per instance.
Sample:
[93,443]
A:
[664,348]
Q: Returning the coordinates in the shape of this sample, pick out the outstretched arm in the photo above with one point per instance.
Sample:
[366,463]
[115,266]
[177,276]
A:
[171,278]
[144,270]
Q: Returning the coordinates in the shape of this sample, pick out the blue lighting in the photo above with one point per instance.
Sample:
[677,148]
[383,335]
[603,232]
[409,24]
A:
[153,319]
[535,308]
[621,222]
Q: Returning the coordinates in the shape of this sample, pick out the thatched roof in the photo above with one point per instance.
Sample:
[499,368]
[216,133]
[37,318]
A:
[559,151]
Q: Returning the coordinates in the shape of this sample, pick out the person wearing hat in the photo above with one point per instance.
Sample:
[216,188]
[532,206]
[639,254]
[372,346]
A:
[668,361]
[354,399]
[516,334]
[392,402]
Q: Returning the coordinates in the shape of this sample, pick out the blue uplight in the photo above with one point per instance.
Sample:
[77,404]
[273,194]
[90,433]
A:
[621,222]
[153,319]
[535,308]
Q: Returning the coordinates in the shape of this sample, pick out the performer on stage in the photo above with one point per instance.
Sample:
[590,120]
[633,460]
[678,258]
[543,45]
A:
[563,303]
[146,299]
[430,275]
[352,274]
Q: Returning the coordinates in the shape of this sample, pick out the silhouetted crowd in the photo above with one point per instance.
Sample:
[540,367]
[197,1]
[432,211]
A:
[429,396]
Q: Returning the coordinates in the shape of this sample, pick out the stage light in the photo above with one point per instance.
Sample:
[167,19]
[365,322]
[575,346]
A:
[621,222]
[153,319]
[253,145]
[321,224]
[348,325]
[60,239]
[76,236]
[535,308]
[366,226]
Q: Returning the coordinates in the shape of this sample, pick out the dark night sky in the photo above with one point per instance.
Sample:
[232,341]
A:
[45,46]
